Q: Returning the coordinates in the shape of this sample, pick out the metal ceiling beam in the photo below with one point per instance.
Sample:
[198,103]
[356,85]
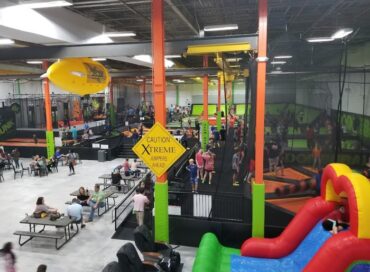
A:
[115,50]
[186,72]
[182,17]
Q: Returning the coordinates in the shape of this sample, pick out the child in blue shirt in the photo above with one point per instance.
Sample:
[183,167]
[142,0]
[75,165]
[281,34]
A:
[193,169]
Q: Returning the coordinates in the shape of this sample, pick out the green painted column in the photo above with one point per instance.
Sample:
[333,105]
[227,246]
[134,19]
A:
[205,134]
[161,212]
[50,146]
[258,210]
[177,94]
[218,120]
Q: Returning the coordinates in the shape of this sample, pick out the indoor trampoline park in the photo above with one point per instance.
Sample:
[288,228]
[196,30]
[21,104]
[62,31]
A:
[185,135]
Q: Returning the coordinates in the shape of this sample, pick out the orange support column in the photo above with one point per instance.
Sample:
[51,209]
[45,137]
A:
[159,98]
[258,186]
[205,124]
[49,122]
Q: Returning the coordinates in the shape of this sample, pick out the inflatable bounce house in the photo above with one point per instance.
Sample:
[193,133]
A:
[304,245]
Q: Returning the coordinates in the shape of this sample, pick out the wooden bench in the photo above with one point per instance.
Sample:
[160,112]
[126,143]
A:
[39,235]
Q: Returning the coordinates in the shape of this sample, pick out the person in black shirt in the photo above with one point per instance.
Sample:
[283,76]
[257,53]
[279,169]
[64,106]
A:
[274,152]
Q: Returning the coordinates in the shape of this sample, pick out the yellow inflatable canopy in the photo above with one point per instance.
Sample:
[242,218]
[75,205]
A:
[79,75]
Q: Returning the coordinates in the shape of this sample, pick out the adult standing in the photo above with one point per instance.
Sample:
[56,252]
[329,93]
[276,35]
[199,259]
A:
[71,161]
[273,154]
[209,165]
[74,133]
[235,165]
[139,205]
[15,155]
[200,163]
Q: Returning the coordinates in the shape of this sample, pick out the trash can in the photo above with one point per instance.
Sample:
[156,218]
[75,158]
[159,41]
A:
[102,154]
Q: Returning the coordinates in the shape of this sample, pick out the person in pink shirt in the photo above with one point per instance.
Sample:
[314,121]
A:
[139,205]
[209,165]
[126,167]
[200,163]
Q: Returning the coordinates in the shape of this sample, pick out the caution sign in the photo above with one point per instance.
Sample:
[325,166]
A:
[158,149]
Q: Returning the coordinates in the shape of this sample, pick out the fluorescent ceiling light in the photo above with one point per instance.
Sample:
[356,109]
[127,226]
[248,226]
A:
[341,33]
[148,59]
[144,58]
[320,39]
[178,80]
[278,62]
[233,59]
[120,34]
[221,27]
[34,62]
[6,41]
[173,56]
[283,57]
[99,59]
[139,80]
[45,4]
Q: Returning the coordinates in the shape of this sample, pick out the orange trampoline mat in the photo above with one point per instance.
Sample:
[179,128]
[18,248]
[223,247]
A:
[290,174]
[290,204]
[270,186]
[24,140]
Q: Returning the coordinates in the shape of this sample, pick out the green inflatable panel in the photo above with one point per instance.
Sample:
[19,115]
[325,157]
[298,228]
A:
[212,256]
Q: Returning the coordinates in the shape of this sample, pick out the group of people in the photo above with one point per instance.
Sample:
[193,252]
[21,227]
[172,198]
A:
[203,167]
[93,199]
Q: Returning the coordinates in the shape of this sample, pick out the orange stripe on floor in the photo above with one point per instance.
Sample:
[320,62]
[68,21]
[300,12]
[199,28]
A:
[290,204]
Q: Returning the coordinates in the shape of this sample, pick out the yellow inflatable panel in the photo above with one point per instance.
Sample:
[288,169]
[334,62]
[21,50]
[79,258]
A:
[79,75]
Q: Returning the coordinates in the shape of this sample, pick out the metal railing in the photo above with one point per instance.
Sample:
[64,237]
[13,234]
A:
[124,208]
[212,206]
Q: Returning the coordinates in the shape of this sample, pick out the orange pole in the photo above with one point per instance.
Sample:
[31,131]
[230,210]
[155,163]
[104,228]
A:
[46,87]
[205,90]
[49,120]
[261,89]
[219,94]
[161,224]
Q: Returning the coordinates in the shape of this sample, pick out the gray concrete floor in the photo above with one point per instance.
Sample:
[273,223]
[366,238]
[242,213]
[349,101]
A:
[90,250]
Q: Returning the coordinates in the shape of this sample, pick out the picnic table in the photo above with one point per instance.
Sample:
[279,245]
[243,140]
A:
[64,222]
[107,195]
[106,178]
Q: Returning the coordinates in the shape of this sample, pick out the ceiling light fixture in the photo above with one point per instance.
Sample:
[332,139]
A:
[233,59]
[221,27]
[341,33]
[148,59]
[45,4]
[320,39]
[139,80]
[99,59]
[283,57]
[6,41]
[34,62]
[278,62]
[120,34]
[178,80]
[173,56]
